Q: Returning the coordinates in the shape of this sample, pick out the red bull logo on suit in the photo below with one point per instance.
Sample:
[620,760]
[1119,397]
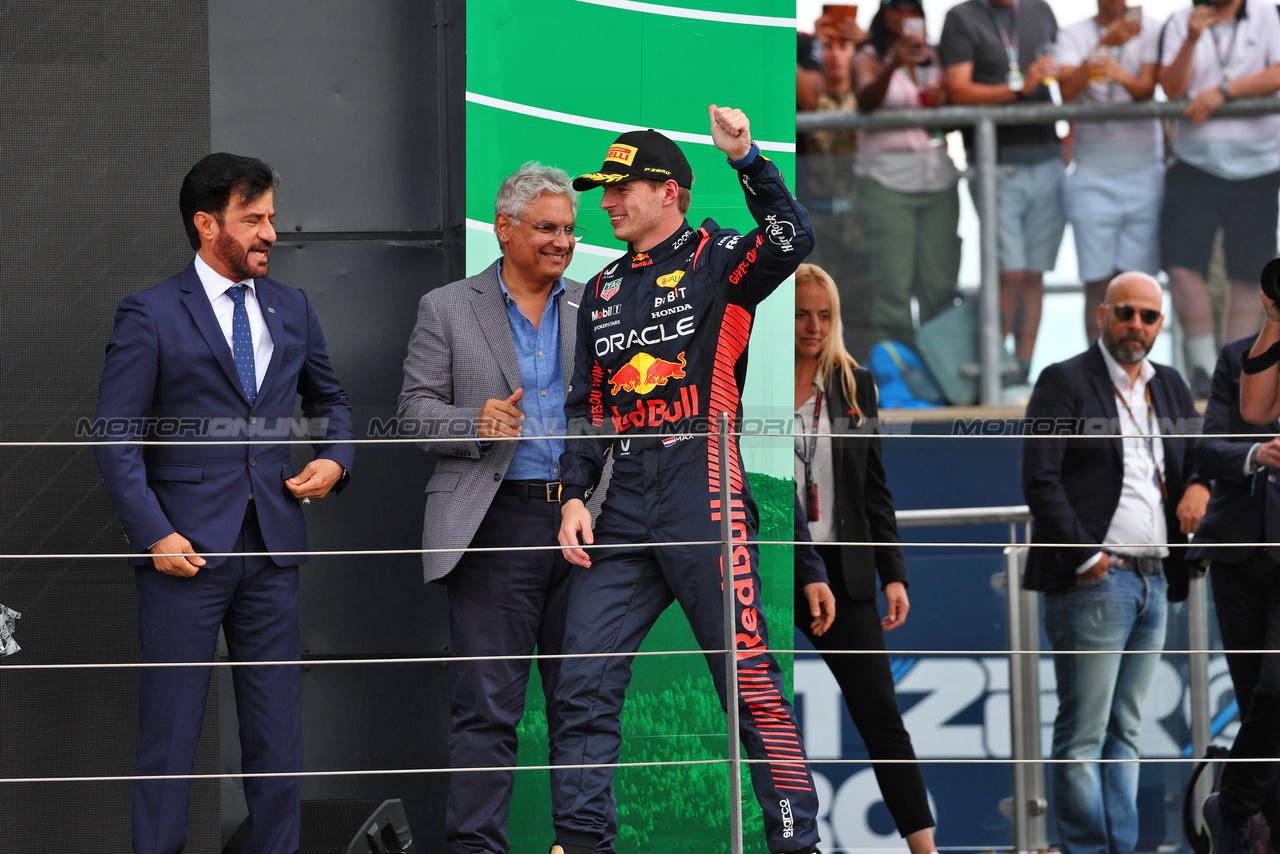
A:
[644,373]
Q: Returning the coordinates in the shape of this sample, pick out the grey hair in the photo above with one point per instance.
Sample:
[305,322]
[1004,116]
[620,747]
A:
[523,187]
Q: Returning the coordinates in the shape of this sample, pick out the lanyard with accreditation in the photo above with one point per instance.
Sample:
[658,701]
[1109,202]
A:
[1158,475]
[810,487]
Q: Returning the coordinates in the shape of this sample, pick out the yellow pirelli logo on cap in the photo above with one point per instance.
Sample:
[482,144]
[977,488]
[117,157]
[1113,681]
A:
[620,153]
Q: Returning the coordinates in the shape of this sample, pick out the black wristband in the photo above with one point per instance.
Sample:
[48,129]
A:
[1258,364]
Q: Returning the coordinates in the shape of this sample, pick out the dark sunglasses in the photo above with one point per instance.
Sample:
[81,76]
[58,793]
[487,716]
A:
[1124,313]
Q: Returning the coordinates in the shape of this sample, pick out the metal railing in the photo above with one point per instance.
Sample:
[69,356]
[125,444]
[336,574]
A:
[1029,805]
[984,121]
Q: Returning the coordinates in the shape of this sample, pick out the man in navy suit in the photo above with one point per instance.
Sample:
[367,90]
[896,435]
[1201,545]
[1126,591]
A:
[218,354]
[1111,478]
[1245,508]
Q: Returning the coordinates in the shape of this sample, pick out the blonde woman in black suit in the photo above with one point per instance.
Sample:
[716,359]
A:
[842,487]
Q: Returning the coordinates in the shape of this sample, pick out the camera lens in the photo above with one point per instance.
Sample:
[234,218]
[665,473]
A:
[1271,280]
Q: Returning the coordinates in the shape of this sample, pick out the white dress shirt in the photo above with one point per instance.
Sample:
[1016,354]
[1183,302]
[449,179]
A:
[1138,527]
[215,287]
[823,530]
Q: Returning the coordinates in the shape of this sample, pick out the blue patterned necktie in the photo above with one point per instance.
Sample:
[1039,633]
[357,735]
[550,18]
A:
[242,342]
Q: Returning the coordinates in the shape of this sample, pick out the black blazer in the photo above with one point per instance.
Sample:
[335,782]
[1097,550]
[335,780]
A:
[1238,508]
[1072,485]
[864,505]
[809,568]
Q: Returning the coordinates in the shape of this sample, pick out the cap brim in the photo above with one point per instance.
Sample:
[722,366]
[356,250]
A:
[600,179]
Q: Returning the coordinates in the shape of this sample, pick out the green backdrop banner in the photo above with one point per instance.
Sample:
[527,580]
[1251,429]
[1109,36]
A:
[557,81]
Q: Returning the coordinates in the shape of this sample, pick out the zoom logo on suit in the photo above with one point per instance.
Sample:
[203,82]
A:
[219,344]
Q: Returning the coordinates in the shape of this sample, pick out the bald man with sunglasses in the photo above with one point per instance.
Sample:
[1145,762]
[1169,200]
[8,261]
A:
[1106,471]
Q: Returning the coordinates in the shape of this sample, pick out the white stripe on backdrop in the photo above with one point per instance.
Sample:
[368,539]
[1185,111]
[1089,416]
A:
[1067,11]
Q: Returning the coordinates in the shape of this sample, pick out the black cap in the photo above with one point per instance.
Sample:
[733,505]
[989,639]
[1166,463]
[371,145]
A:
[640,154]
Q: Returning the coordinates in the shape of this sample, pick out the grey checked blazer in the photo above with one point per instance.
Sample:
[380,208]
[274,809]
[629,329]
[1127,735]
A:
[461,354]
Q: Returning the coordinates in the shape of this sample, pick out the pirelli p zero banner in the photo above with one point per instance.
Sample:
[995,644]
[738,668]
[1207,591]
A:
[557,81]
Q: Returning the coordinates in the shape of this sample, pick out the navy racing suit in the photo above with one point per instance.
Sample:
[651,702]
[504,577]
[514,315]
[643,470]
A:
[661,352]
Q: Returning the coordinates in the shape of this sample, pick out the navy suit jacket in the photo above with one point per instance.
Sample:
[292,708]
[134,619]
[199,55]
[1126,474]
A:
[1239,506]
[1072,484]
[168,362]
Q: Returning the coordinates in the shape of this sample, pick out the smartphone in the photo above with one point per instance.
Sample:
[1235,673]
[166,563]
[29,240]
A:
[840,11]
[1133,13]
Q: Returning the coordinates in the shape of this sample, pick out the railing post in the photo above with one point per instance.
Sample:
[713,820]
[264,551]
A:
[1198,666]
[1024,706]
[730,640]
[990,345]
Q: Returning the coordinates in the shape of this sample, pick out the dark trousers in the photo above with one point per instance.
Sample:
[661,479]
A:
[1247,598]
[500,603]
[654,496]
[867,684]
[256,604]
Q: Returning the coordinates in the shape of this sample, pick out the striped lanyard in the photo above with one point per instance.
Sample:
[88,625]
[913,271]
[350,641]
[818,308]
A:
[1010,41]
[1224,60]
[811,488]
[1158,476]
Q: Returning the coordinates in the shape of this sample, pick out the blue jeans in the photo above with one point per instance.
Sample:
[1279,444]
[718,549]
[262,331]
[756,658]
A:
[1100,704]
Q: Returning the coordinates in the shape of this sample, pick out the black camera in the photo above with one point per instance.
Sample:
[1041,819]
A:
[1271,280]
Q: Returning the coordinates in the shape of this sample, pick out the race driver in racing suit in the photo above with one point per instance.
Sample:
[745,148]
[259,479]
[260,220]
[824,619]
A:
[662,351]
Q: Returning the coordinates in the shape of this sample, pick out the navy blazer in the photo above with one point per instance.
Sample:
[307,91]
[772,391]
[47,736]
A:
[1239,506]
[1072,484]
[168,362]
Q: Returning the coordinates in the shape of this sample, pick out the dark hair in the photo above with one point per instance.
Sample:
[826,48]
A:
[878,32]
[210,183]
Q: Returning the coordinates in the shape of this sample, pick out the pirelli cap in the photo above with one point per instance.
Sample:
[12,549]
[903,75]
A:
[640,154]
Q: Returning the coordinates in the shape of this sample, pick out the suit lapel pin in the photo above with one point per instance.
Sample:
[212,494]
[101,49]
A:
[270,309]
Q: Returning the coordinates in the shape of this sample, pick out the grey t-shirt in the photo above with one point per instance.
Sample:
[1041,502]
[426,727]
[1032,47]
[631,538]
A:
[970,34]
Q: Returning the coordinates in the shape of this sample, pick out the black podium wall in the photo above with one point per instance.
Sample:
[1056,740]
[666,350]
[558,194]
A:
[103,108]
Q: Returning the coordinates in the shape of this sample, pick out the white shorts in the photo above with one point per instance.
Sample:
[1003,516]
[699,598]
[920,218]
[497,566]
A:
[1116,220]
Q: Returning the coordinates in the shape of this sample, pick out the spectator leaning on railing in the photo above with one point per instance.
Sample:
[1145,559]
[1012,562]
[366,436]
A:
[1112,198]
[1228,170]
[999,52]
[908,206]
[827,189]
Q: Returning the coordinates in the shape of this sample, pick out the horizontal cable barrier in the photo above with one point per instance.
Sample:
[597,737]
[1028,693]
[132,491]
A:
[536,656]
[234,775]
[1023,656]
[893,424]
[376,552]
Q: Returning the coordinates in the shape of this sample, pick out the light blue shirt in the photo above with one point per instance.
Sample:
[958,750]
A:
[542,378]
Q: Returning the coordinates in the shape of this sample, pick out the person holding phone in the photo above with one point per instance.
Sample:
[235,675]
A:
[905,180]
[1227,174]
[1112,197]
[826,185]
[841,485]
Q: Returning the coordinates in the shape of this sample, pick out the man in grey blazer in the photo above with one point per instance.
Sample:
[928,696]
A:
[490,360]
